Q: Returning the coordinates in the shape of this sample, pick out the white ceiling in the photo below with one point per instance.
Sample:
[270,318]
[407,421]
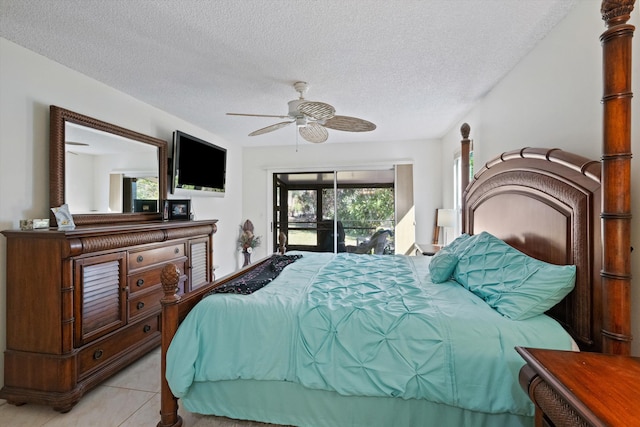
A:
[413,67]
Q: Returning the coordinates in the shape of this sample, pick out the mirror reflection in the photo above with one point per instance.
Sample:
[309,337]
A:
[107,173]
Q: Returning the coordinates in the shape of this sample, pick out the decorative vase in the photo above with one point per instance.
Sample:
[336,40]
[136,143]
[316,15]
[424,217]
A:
[247,258]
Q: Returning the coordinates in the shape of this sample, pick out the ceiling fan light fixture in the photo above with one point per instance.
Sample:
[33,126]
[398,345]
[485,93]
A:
[312,118]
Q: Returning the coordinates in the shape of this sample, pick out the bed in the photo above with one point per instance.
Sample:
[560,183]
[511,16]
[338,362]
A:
[548,205]
[364,340]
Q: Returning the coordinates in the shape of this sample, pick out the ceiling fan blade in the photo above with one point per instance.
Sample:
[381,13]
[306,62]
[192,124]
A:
[349,124]
[317,110]
[257,115]
[313,132]
[270,128]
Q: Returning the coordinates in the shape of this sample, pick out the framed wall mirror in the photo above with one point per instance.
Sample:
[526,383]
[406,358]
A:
[105,173]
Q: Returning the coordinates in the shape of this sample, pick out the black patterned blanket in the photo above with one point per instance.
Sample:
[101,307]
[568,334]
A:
[257,278]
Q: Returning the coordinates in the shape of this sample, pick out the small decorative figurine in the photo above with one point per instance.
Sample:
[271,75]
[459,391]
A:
[247,241]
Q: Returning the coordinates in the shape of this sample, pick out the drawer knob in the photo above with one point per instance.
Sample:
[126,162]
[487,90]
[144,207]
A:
[146,328]
[176,250]
[97,354]
[140,305]
[140,258]
[140,282]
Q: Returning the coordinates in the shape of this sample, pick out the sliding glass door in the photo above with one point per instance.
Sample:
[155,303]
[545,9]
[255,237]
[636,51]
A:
[338,211]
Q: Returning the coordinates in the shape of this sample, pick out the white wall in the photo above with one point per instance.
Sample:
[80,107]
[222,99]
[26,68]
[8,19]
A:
[260,162]
[29,83]
[552,99]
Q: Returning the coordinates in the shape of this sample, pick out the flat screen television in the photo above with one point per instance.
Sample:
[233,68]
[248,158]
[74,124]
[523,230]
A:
[199,167]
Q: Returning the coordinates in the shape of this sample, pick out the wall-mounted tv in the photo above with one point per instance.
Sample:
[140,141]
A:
[199,167]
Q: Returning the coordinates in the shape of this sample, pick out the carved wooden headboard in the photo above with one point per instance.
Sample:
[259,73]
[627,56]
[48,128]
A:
[546,203]
[599,317]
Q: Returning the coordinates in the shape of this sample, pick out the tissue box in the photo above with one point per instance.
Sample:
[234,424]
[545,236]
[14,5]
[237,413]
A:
[41,223]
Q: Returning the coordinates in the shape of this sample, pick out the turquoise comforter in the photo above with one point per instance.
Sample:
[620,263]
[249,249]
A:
[368,325]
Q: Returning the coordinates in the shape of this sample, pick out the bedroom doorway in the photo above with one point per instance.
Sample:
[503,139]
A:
[338,211]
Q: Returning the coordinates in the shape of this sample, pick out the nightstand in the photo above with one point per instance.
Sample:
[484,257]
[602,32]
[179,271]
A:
[427,249]
[580,388]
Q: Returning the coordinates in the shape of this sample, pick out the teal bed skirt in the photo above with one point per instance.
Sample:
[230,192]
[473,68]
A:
[291,404]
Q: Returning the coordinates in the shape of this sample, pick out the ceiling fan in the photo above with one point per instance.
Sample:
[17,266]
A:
[312,118]
[81,144]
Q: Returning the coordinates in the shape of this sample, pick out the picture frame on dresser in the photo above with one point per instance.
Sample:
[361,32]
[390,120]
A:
[165,210]
[179,210]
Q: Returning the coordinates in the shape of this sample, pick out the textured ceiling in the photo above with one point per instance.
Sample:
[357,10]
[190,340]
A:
[413,67]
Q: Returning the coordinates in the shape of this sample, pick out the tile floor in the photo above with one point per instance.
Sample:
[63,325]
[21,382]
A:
[129,399]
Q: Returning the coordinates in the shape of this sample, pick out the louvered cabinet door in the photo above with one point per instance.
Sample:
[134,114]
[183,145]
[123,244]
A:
[100,296]
[199,263]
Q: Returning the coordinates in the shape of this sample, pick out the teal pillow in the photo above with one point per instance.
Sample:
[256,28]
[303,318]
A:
[445,260]
[460,244]
[514,284]
[442,265]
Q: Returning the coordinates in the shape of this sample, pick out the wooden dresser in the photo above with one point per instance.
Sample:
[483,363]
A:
[82,304]
[582,389]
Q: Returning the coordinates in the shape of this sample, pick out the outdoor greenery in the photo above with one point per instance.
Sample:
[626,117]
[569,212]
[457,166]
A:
[147,189]
[361,211]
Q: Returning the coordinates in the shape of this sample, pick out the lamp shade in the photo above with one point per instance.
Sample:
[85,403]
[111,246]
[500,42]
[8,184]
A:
[446,218]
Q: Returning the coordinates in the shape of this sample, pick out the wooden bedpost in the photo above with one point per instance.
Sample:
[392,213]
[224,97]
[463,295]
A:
[465,148]
[170,277]
[616,176]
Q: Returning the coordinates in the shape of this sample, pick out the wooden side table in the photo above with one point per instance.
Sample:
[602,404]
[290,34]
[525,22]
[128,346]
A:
[581,388]
[427,248]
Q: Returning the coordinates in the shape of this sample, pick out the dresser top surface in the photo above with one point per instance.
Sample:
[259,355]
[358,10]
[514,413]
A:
[607,385]
[106,229]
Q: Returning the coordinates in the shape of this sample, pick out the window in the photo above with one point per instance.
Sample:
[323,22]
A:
[327,211]
[362,211]
[135,194]
[302,217]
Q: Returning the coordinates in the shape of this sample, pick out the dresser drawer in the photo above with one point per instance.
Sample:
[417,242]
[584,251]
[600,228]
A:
[153,256]
[101,352]
[149,278]
[144,303]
